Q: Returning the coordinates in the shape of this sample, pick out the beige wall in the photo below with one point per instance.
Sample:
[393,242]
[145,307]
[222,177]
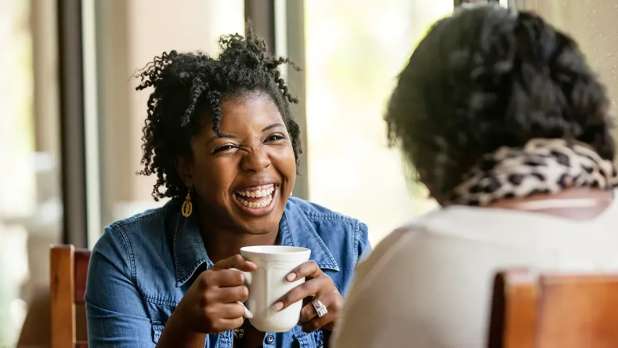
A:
[130,34]
[594,25]
[195,25]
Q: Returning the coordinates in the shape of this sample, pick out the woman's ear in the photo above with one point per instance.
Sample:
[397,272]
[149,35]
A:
[184,168]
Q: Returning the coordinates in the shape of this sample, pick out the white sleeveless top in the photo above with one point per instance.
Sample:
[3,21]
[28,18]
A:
[429,284]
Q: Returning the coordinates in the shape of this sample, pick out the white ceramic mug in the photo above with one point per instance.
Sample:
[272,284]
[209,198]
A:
[267,284]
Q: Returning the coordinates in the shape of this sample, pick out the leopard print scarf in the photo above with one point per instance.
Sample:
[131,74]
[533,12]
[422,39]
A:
[541,166]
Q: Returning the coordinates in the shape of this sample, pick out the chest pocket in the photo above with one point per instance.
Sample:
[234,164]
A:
[159,311]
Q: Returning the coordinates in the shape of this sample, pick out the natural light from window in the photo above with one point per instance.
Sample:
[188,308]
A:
[355,49]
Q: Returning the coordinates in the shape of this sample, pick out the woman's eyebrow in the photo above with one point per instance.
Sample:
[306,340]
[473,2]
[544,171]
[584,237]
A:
[231,136]
[274,125]
[219,136]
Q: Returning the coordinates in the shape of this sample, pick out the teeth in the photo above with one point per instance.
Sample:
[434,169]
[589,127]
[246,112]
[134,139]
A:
[263,194]
[254,205]
[257,192]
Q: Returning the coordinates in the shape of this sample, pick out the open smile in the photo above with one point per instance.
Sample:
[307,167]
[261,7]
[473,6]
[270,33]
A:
[256,200]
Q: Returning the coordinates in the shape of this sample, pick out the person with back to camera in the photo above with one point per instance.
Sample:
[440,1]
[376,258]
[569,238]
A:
[221,142]
[509,130]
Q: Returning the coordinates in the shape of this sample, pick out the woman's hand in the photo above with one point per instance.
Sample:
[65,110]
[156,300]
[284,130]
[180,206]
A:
[213,303]
[317,286]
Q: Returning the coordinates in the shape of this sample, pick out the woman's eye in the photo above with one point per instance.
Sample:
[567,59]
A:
[225,148]
[275,137]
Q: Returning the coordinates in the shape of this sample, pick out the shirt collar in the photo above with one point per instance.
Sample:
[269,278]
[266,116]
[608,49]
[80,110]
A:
[189,250]
[305,235]
[190,253]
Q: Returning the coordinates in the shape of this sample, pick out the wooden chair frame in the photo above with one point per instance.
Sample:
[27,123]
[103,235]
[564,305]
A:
[532,310]
[69,269]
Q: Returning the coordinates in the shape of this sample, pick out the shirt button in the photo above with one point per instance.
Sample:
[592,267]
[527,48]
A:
[270,339]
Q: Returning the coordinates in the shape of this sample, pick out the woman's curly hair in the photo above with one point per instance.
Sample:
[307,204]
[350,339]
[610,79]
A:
[191,86]
[489,77]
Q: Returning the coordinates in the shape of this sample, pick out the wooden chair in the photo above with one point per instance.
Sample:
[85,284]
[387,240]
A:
[554,310]
[69,268]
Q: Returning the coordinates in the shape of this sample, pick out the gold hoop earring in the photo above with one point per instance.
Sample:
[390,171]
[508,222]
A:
[187,206]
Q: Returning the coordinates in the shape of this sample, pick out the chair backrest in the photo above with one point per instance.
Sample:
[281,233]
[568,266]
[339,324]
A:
[69,268]
[554,310]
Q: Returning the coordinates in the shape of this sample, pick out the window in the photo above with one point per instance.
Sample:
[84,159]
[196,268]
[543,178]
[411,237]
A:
[355,49]
[30,204]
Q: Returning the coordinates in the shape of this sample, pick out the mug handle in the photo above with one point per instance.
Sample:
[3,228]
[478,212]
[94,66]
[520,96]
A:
[248,277]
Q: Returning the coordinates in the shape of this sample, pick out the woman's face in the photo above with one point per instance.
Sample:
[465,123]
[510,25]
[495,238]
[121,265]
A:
[243,177]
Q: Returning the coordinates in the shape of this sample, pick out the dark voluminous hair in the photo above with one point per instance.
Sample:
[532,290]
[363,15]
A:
[191,86]
[489,77]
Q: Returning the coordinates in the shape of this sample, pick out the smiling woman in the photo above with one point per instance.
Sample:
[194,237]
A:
[244,174]
[220,139]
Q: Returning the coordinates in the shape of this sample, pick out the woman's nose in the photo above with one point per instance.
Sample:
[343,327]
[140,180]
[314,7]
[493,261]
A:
[255,160]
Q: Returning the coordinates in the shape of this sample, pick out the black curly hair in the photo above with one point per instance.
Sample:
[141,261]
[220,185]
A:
[488,77]
[191,86]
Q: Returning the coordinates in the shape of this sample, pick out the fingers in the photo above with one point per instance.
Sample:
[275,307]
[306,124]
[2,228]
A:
[228,294]
[317,283]
[227,324]
[226,310]
[310,288]
[236,261]
[308,313]
[326,322]
[222,278]
[309,318]
[308,269]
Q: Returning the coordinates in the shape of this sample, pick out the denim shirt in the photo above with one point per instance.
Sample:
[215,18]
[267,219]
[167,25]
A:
[142,266]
